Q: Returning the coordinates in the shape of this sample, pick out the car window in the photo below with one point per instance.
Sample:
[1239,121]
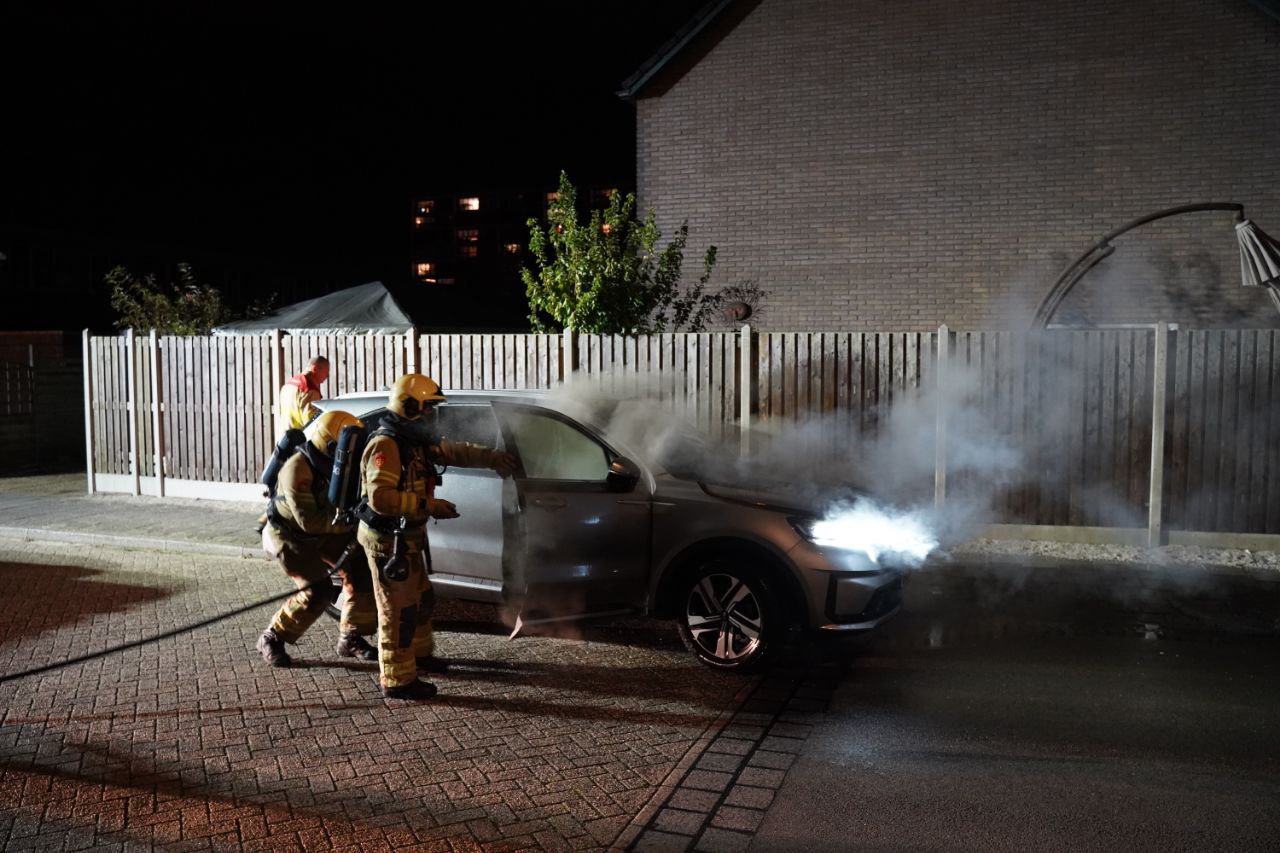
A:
[551,449]
[475,424]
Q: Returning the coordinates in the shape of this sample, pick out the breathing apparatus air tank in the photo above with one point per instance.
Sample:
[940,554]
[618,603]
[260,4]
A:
[344,484]
[285,448]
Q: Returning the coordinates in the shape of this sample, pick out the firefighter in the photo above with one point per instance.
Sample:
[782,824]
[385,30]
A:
[299,394]
[306,535]
[398,478]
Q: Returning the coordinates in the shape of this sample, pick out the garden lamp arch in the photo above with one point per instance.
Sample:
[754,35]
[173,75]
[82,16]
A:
[1259,257]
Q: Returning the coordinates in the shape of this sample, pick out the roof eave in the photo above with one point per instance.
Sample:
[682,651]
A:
[632,85]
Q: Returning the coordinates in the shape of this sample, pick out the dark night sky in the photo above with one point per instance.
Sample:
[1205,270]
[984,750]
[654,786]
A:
[289,134]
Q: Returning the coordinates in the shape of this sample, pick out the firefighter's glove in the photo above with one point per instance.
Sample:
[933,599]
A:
[504,464]
[443,509]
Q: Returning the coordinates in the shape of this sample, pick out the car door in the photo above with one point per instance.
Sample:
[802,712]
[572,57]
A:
[582,539]
[467,551]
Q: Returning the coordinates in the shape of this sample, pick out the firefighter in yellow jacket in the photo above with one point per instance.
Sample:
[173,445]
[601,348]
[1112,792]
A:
[398,477]
[298,396]
[306,535]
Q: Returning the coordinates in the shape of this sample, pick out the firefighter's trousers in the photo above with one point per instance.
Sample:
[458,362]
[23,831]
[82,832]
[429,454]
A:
[307,561]
[404,617]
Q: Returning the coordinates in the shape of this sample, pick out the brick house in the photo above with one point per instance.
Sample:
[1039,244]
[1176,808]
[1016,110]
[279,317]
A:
[902,164]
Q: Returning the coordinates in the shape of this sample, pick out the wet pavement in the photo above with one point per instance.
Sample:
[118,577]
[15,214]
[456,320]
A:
[1017,703]
[1011,708]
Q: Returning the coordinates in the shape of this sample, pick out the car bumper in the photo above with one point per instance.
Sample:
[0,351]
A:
[847,592]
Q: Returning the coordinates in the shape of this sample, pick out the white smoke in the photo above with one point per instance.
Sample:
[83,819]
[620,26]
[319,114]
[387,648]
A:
[874,530]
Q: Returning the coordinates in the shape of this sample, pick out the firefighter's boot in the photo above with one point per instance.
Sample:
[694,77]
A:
[418,691]
[272,649]
[355,646]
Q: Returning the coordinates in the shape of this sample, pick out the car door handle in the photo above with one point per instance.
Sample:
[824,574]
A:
[550,503]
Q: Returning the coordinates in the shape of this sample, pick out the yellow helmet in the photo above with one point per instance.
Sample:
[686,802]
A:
[411,394]
[323,431]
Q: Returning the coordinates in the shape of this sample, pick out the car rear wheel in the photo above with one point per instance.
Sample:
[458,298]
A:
[728,616]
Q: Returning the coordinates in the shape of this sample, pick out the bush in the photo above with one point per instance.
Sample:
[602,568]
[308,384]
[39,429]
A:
[606,275]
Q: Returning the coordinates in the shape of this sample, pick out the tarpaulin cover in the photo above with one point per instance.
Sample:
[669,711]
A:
[369,308]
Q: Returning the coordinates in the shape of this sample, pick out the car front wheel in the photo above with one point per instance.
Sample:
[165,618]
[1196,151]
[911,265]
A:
[728,616]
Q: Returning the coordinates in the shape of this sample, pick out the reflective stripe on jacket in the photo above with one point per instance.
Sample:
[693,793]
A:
[296,399]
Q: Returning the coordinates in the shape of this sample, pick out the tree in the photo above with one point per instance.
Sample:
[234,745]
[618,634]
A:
[606,275]
[180,307]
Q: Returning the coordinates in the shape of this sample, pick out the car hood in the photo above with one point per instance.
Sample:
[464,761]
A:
[777,497]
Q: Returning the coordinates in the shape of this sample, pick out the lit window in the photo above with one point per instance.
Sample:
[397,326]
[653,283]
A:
[512,248]
[419,221]
[423,269]
[469,203]
[468,235]
[469,250]
[426,207]
[552,198]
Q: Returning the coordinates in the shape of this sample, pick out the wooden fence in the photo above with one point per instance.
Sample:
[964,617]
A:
[1082,407]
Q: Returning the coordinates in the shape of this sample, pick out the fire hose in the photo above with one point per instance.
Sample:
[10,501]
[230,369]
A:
[164,636]
[221,617]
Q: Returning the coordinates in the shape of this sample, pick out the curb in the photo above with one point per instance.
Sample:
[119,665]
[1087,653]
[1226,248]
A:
[645,816]
[134,543]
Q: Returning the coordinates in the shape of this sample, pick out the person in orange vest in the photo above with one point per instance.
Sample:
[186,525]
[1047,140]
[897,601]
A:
[299,394]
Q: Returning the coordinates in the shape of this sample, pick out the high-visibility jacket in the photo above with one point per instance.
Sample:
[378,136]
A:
[296,402]
[396,486]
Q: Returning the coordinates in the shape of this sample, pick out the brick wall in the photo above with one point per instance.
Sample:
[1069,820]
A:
[901,164]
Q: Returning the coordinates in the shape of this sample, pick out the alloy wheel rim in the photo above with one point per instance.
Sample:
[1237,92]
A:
[724,617]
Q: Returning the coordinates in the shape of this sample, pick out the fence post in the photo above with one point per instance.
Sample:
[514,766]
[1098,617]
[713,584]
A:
[746,387]
[940,436]
[1159,381]
[87,359]
[411,351]
[130,364]
[568,363]
[277,379]
[157,420]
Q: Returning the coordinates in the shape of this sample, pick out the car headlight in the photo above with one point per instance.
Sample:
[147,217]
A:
[903,537]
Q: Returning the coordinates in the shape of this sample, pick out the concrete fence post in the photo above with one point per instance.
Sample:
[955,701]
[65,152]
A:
[568,361]
[746,386]
[157,405]
[940,435]
[411,351]
[131,365]
[277,379]
[1159,384]
[87,360]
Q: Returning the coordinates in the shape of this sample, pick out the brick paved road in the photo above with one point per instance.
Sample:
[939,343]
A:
[193,743]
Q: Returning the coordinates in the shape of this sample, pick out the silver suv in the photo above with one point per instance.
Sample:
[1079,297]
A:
[591,525]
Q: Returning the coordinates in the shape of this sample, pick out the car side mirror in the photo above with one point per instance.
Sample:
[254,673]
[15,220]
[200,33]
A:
[623,475]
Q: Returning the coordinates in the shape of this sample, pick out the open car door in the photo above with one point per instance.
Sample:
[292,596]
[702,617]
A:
[581,544]
[468,551]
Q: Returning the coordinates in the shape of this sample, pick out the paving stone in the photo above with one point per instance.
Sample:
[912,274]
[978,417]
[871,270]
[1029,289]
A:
[194,743]
[720,761]
[782,744]
[652,841]
[680,822]
[785,729]
[761,778]
[723,841]
[707,780]
[690,799]
[771,760]
[741,819]
[731,746]
[749,797]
